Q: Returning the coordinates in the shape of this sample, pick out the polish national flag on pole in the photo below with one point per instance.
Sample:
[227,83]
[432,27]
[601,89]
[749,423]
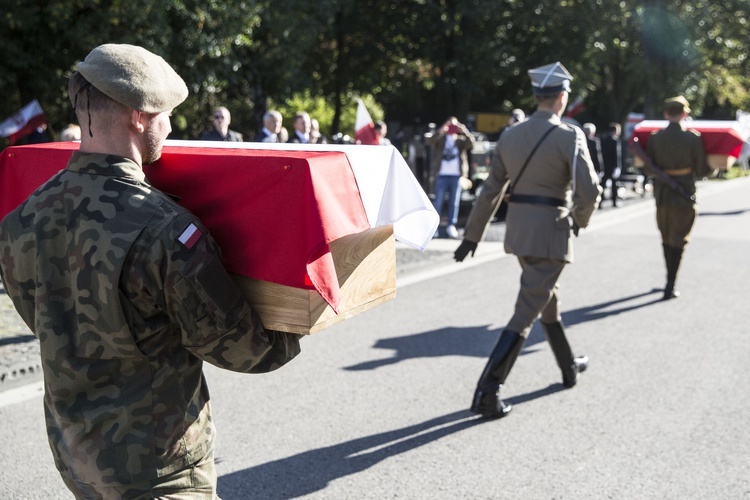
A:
[23,123]
[576,107]
[364,128]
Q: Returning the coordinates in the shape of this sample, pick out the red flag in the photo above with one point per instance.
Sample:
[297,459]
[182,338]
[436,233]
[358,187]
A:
[576,107]
[24,122]
[364,127]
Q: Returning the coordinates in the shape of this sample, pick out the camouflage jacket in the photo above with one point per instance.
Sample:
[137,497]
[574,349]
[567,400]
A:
[127,294]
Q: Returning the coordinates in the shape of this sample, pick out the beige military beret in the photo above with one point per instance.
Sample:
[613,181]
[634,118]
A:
[135,77]
[676,105]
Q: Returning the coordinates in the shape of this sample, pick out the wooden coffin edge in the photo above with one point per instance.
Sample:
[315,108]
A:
[366,269]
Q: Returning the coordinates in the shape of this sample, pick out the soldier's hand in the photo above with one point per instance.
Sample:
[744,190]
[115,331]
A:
[463,250]
[576,228]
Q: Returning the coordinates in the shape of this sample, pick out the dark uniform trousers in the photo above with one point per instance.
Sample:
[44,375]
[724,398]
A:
[538,294]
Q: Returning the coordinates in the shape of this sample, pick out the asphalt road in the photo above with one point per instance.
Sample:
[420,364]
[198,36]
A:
[377,406]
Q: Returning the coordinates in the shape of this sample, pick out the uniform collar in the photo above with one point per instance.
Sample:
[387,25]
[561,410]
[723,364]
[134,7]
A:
[103,164]
[547,116]
[677,125]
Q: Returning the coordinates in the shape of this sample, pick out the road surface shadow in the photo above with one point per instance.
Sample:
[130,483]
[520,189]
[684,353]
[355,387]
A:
[18,339]
[733,212]
[478,341]
[312,471]
[475,341]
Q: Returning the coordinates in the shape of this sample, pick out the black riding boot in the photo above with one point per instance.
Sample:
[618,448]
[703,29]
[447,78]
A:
[487,400]
[673,256]
[569,365]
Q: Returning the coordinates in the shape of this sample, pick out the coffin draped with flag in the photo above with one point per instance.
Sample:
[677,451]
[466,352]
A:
[307,230]
[722,139]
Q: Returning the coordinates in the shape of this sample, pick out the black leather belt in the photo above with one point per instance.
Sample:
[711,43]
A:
[537,200]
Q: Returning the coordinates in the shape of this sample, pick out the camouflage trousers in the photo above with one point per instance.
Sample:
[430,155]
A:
[195,482]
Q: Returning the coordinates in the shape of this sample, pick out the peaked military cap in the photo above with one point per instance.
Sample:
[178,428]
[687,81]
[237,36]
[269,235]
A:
[550,79]
[135,77]
[676,105]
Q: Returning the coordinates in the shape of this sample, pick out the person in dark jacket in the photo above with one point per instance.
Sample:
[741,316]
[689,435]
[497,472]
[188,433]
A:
[611,160]
[221,132]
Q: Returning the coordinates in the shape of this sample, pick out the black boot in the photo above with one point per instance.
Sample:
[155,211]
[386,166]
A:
[487,400]
[569,365]
[673,256]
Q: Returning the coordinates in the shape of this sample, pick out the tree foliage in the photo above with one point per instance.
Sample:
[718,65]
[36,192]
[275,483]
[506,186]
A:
[421,60]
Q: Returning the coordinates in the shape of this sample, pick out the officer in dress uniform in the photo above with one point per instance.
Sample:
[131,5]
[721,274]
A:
[546,166]
[128,296]
[681,155]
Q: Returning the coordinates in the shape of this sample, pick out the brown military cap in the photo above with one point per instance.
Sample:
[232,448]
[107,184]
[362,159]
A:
[135,77]
[676,105]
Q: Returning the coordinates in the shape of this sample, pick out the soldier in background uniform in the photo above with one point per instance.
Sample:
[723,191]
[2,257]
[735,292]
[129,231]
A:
[547,164]
[128,296]
[680,154]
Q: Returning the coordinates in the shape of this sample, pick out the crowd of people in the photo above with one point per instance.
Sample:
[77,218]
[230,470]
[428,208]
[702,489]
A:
[305,129]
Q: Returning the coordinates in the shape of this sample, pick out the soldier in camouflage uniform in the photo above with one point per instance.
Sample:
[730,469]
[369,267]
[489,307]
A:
[127,294]
[538,226]
[681,155]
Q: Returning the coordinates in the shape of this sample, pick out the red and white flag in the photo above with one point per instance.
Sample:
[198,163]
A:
[23,123]
[190,236]
[576,107]
[364,128]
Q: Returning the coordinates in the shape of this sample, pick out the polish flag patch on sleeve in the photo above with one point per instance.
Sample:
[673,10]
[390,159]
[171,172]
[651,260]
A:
[190,236]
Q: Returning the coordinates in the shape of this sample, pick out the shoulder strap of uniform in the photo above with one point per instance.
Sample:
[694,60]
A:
[520,173]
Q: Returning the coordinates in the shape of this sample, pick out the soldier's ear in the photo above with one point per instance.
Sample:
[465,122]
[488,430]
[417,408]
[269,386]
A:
[137,119]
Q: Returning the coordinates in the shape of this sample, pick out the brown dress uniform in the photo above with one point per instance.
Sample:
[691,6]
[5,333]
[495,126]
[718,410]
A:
[679,153]
[538,227]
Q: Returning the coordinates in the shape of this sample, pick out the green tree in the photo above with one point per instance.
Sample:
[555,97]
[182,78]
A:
[43,41]
[421,60]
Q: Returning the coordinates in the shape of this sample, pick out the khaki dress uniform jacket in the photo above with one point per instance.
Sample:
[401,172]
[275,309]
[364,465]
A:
[561,168]
[539,235]
[126,310]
